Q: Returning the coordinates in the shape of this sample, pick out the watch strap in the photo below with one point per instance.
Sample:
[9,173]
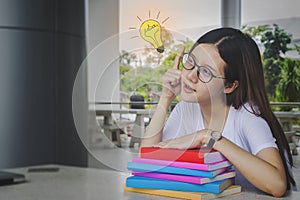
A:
[215,136]
[210,143]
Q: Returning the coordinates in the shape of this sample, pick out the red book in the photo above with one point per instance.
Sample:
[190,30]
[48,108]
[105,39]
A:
[182,155]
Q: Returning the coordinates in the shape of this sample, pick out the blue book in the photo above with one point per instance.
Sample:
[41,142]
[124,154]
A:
[153,183]
[142,167]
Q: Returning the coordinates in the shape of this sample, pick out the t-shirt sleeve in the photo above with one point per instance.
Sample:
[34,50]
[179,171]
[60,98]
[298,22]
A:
[174,126]
[258,134]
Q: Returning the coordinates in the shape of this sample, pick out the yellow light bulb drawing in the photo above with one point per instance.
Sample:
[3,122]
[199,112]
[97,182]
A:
[150,30]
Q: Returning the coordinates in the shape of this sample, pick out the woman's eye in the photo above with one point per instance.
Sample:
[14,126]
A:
[190,60]
[205,71]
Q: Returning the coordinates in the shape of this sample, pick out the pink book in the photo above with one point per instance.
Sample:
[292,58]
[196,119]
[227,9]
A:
[188,165]
[186,179]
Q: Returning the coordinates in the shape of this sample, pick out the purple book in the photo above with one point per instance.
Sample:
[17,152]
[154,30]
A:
[187,165]
[186,179]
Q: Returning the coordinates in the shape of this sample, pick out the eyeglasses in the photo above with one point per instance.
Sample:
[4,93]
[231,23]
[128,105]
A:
[204,73]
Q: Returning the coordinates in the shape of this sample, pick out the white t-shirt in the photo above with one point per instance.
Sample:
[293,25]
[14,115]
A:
[248,131]
[243,128]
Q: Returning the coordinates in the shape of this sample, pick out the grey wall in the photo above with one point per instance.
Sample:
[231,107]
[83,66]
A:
[70,51]
[231,13]
[42,44]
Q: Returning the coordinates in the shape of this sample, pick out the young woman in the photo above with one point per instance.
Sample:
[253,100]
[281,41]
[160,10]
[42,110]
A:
[225,107]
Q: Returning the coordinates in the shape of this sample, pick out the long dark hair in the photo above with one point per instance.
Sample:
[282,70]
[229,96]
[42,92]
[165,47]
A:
[243,63]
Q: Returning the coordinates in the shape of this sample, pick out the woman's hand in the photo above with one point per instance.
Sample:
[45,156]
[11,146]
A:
[171,87]
[172,79]
[194,140]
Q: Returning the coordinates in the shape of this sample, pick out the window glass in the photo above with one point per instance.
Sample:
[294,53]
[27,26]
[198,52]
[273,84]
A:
[182,22]
[268,12]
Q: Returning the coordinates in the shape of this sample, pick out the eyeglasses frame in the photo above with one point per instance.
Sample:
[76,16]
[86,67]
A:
[198,67]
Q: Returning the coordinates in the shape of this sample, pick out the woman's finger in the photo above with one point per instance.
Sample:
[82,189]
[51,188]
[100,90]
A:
[177,59]
[173,80]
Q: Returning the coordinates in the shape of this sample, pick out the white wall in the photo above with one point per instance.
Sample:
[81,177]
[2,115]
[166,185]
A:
[103,50]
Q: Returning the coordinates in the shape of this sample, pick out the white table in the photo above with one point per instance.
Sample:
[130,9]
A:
[139,124]
[75,183]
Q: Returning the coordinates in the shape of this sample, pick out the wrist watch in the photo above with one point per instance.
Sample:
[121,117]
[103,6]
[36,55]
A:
[214,137]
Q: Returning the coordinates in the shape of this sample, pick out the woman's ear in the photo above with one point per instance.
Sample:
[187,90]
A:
[230,88]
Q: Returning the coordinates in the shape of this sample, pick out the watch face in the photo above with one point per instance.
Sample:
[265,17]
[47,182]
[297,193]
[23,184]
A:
[216,135]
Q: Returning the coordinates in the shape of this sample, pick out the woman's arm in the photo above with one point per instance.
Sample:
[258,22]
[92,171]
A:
[171,87]
[153,133]
[264,170]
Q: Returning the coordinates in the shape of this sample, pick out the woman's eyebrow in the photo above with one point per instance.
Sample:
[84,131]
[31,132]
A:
[205,65]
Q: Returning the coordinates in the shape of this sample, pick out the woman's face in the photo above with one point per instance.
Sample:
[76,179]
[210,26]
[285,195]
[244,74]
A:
[192,89]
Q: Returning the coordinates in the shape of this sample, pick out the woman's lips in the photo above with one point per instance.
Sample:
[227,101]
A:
[188,89]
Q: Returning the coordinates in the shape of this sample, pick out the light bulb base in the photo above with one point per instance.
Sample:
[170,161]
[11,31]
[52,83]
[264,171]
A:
[161,49]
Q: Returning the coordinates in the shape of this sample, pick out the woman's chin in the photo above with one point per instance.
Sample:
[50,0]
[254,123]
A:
[188,97]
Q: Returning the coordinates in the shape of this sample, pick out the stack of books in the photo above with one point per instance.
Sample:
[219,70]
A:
[188,174]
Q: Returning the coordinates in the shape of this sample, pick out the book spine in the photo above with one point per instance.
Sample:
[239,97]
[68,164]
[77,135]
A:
[171,177]
[193,156]
[171,193]
[184,178]
[172,155]
[187,165]
[141,167]
[234,189]
[151,183]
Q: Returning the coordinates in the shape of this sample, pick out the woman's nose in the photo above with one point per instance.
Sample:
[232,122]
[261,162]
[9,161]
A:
[192,75]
